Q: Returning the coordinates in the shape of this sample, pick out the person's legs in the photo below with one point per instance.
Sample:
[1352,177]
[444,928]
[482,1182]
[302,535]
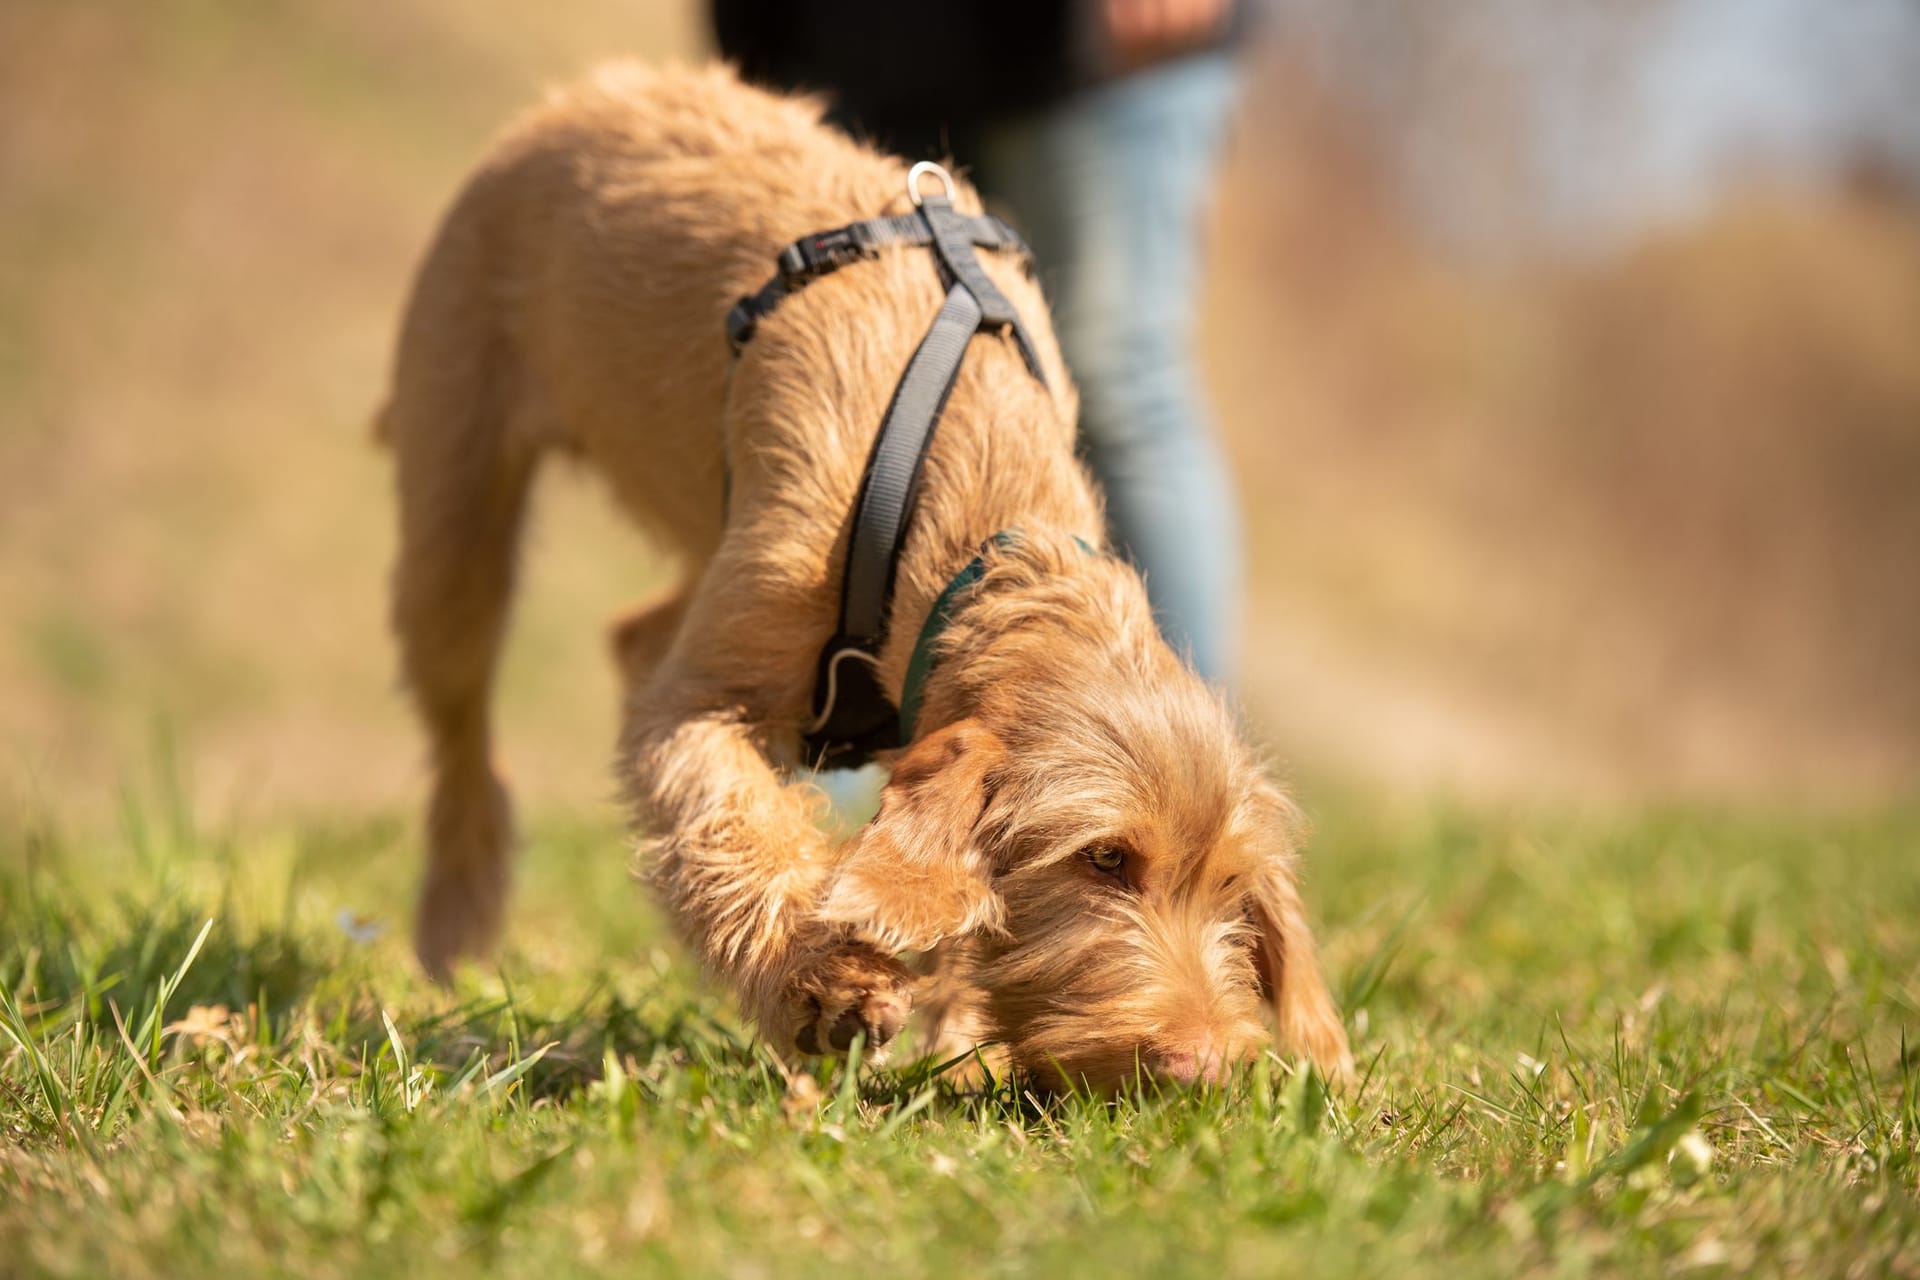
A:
[1110,187]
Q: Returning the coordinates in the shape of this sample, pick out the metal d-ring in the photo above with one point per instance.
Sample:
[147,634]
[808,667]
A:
[925,167]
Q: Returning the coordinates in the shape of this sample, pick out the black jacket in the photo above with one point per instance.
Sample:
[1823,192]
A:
[919,76]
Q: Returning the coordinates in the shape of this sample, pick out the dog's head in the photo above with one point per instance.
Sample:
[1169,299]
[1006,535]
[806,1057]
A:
[1118,867]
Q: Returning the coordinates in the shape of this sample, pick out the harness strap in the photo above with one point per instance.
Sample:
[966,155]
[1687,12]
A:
[852,714]
[952,241]
[810,257]
[853,717]
[885,505]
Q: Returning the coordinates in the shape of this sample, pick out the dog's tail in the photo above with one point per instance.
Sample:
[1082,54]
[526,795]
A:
[463,477]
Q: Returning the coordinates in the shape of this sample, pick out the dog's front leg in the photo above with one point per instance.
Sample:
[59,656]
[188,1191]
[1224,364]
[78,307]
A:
[739,860]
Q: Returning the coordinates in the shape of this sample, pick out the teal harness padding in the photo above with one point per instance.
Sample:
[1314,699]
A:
[940,617]
[920,666]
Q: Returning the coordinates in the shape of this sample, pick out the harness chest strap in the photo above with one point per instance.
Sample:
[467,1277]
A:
[853,718]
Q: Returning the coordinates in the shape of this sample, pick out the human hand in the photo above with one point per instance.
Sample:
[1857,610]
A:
[1142,31]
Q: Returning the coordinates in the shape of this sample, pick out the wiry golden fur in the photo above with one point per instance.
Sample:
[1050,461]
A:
[572,302]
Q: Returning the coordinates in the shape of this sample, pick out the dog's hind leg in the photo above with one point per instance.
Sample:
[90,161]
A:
[461,511]
[464,473]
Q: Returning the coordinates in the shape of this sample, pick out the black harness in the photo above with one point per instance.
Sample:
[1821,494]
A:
[853,718]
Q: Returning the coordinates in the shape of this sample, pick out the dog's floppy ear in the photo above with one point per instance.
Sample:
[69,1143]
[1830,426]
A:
[1289,969]
[916,875]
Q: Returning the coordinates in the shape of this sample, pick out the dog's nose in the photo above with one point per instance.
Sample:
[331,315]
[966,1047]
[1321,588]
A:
[1199,1063]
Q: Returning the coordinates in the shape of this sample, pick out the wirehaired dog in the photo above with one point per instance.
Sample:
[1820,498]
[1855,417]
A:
[1077,834]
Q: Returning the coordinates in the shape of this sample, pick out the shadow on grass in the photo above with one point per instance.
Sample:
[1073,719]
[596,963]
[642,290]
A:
[577,1041]
[56,961]
[69,964]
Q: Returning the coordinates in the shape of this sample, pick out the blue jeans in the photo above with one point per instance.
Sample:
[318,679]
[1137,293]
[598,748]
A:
[1110,187]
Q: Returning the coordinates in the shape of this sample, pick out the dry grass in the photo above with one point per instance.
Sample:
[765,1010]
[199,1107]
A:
[1625,525]
[210,214]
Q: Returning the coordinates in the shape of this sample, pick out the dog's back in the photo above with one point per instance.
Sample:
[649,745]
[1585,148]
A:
[555,307]
[594,255]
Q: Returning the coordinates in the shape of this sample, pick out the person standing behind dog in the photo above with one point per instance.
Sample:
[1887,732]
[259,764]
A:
[1101,123]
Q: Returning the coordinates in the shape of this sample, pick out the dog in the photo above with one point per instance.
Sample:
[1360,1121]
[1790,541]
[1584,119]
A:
[1077,839]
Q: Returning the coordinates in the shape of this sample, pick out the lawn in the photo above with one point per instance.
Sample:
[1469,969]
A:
[1664,1042]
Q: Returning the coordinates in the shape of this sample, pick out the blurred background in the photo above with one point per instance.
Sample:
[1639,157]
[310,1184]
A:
[1568,355]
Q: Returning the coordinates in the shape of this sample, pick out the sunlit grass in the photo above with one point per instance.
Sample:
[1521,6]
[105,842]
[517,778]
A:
[1675,1040]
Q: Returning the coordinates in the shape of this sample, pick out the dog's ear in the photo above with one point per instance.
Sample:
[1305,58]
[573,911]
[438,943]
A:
[916,875]
[1289,969]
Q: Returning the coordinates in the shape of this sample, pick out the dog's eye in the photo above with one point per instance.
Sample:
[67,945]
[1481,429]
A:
[1107,859]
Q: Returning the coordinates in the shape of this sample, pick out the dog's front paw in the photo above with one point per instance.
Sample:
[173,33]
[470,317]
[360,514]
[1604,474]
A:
[846,990]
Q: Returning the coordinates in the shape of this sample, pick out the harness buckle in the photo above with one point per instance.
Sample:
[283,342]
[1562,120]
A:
[817,254]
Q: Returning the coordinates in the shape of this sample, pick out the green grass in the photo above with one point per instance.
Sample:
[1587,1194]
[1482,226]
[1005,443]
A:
[1634,1046]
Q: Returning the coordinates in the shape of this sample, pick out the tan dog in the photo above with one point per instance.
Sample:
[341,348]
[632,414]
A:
[1078,834]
